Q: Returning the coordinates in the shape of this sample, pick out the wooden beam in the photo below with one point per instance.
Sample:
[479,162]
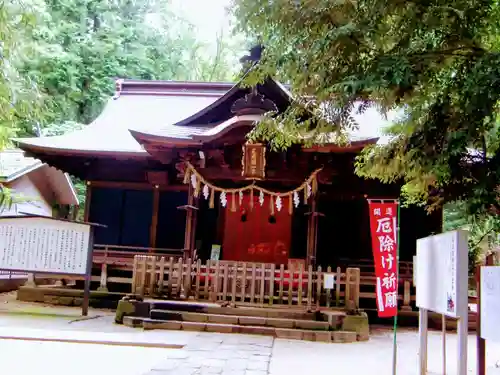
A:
[189,222]
[312,233]
[154,219]
[138,186]
[88,197]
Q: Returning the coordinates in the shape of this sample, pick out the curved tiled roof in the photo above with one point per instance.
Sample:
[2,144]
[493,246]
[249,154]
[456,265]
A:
[169,111]
[139,106]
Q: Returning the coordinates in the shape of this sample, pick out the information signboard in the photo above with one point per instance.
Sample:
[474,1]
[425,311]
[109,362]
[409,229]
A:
[441,274]
[44,245]
[41,244]
[441,280]
[490,303]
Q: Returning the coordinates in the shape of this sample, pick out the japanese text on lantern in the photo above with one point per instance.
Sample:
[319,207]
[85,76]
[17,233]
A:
[383,223]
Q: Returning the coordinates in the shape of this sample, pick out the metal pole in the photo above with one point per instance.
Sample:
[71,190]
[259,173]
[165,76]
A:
[88,274]
[480,342]
[395,344]
[443,331]
[462,333]
[481,347]
[422,335]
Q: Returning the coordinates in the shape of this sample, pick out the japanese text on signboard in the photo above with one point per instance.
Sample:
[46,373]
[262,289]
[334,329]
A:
[383,226]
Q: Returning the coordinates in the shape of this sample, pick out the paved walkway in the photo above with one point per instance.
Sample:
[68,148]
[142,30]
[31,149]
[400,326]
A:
[203,353]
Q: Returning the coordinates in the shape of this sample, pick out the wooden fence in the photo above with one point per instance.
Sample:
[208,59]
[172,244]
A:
[122,258]
[243,283]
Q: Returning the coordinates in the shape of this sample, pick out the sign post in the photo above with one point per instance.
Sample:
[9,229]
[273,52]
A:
[328,285]
[488,305]
[442,283]
[384,227]
[88,274]
[42,244]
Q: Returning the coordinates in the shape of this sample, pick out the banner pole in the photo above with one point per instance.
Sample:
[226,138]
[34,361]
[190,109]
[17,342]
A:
[394,344]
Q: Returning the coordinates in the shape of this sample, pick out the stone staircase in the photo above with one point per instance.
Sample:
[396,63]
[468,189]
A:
[324,326]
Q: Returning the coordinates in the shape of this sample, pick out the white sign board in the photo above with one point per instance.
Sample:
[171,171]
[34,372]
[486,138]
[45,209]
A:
[38,244]
[329,280]
[490,303]
[442,273]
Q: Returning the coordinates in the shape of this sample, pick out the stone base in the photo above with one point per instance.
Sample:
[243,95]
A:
[343,336]
[332,326]
[126,307]
[67,297]
[358,324]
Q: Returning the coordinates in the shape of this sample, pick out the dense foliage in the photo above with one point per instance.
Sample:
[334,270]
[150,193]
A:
[20,100]
[59,58]
[483,229]
[435,61]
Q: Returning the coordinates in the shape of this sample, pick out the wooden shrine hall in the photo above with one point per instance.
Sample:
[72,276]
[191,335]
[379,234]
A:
[169,171]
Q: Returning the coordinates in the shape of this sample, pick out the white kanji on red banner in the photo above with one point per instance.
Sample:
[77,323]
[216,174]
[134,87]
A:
[383,224]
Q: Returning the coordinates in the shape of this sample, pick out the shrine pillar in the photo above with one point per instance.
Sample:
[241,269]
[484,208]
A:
[312,232]
[191,218]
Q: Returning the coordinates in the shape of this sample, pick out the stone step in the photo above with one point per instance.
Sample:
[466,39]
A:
[284,333]
[244,320]
[265,312]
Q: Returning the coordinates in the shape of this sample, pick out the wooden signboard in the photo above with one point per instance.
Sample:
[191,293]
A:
[39,244]
[254,161]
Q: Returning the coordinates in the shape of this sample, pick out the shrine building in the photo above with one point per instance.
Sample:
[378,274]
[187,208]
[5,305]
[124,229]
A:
[168,169]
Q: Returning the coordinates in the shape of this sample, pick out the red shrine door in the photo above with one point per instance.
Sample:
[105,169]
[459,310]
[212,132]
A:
[257,239]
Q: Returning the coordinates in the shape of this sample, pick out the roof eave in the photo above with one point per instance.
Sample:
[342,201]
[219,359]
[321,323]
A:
[26,146]
[144,138]
[197,139]
[22,172]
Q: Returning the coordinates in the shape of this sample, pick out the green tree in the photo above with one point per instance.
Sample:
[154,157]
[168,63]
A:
[21,101]
[83,44]
[436,61]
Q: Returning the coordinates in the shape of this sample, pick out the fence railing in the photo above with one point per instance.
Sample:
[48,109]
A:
[10,274]
[243,282]
[367,267]
[122,258]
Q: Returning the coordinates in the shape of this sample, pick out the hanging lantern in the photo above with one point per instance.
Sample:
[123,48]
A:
[254,161]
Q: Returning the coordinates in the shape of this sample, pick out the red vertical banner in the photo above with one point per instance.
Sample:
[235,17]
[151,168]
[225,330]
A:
[383,228]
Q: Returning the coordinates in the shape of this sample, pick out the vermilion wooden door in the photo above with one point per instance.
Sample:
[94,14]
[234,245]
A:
[256,239]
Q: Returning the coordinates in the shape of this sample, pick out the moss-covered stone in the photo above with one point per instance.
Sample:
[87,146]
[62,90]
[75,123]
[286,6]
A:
[53,300]
[124,308]
[357,323]
[66,301]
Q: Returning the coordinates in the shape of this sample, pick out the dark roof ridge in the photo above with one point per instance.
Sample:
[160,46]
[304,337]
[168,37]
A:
[134,86]
[169,87]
